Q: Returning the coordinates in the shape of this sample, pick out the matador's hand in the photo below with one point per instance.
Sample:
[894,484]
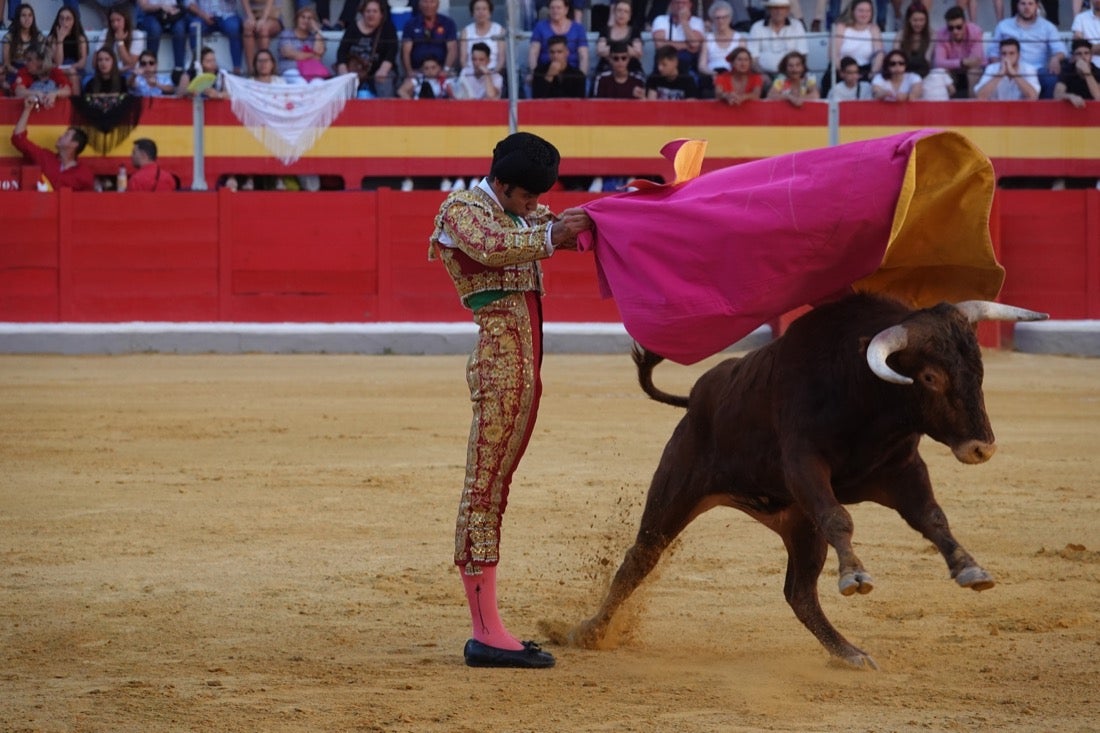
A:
[564,231]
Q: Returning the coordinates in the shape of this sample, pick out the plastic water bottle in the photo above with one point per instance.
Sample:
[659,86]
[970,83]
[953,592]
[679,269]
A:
[120,184]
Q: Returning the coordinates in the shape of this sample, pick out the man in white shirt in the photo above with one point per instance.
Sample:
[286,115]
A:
[1041,43]
[1086,25]
[681,30]
[772,39]
[1010,78]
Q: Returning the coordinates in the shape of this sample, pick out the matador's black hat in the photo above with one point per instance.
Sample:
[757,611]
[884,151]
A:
[527,161]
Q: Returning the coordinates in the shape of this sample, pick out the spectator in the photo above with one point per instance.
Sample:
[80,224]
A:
[23,33]
[478,80]
[67,46]
[428,82]
[262,22]
[856,36]
[1087,25]
[557,77]
[667,83]
[1040,45]
[39,80]
[1080,79]
[206,80]
[346,19]
[915,39]
[850,86]
[620,27]
[302,48]
[428,34]
[148,175]
[576,9]
[369,49]
[559,24]
[683,31]
[482,29]
[1011,78]
[720,42]
[793,83]
[772,39]
[106,77]
[740,83]
[147,82]
[937,86]
[157,17]
[959,50]
[896,83]
[121,39]
[63,169]
[265,69]
[221,16]
[619,82]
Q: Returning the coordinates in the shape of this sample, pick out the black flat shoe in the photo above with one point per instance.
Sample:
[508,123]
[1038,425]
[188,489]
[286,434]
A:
[529,657]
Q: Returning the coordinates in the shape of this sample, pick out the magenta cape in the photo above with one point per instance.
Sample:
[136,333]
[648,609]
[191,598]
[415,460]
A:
[696,265]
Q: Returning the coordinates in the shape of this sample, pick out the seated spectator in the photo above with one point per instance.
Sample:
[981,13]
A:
[719,43]
[620,27]
[478,80]
[346,19]
[121,38]
[67,46]
[429,82]
[220,16]
[302,48]
[1086,25]
[106,76]
[619,82]
[1080,79]
[482,29]
[157,17]
[62,169]
[740,84]
[772,39]
[557,78]
[1010,78]
[958,49]
[560,23]
[265,68]
[915,39]
[851,86]
[206,80]
[429,34]
[148,175]
[147,82]
[22,34]
[667,83]
[896,83]
[262,23]
[855,35]
[1040,46]
[40,81]
[369,49]
[793,83]
[683,31]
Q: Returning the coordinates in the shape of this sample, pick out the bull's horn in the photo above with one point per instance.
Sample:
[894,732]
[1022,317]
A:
[987,310]
[882,345]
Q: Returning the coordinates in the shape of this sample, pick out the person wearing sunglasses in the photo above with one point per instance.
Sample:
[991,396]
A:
[957,48]
[895,83]
[147,82]
[619,82]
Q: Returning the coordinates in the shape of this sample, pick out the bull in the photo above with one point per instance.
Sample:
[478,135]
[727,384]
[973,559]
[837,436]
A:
[828,414]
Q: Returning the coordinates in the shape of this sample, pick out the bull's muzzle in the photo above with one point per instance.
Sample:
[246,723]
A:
[974,451]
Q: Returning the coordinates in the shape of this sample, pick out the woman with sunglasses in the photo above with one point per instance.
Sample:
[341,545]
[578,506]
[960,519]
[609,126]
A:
[896,83]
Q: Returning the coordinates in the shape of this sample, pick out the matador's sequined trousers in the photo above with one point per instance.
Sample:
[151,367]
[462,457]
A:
[505,386]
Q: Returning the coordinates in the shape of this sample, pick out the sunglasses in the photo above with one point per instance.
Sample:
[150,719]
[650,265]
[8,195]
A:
[619,57]
[896,63]
[148,63]
[955,26]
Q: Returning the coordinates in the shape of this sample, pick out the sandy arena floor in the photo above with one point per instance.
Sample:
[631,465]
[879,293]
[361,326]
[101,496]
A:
[263,543]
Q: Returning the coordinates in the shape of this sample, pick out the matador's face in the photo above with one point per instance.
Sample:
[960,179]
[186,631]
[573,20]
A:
[515,199]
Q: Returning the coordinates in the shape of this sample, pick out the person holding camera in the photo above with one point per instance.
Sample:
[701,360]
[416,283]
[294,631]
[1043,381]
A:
[62,169]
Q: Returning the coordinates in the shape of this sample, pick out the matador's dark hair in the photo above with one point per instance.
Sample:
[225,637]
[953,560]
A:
[527,161]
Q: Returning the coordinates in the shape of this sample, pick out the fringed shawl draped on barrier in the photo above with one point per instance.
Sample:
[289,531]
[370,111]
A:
[288,119]
[697,264]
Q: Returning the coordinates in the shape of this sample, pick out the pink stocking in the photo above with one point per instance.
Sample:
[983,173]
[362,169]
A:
[481,595]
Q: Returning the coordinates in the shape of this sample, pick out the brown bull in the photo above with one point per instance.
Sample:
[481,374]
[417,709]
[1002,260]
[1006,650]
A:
[831,413]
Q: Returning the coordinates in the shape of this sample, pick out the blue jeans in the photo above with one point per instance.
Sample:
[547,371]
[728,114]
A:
[153,28]
[228,25]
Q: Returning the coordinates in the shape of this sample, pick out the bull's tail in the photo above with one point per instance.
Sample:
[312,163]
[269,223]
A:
[646,361]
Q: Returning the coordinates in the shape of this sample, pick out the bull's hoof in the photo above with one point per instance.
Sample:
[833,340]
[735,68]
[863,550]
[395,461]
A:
[860,581]
[855,660]
[586,635]
[975,578]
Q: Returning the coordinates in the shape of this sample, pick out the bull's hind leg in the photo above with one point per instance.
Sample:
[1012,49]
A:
[806,552]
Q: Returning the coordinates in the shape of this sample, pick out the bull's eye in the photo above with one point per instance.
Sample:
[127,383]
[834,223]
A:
[930,379]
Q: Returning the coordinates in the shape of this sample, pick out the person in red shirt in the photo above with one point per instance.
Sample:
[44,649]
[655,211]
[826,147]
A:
[36,79]
[149,176]
[62,169]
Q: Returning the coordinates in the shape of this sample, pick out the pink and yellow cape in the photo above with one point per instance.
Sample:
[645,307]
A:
[698,264]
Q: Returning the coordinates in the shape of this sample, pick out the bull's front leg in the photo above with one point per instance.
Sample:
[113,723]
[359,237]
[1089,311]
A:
[808,479]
